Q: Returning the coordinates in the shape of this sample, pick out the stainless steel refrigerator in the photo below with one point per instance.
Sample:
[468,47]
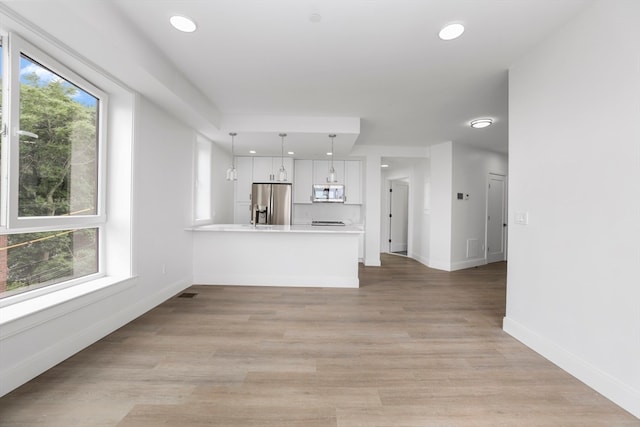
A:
[271,203]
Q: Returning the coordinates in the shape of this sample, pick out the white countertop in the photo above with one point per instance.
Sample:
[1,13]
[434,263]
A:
[306,228]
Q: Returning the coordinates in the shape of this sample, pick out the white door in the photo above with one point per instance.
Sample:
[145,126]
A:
[399,217]
[496,218]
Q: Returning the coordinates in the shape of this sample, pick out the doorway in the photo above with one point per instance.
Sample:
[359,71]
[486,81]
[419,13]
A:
[496,238]
[398,217]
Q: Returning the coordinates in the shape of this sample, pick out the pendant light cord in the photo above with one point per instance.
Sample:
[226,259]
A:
[233,156]
[332,152]
[282,135]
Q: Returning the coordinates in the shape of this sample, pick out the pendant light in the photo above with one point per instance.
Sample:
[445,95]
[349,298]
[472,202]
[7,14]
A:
[282,173]
[332,172]
[232,174]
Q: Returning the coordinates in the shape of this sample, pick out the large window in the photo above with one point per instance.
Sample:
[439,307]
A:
[202,184]
[51,156]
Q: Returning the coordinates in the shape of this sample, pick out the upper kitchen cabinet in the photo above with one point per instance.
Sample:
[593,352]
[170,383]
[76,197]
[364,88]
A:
[352,182]
[244,168]
[302,181]
[265,169]
[321,171]
[262,169]
[309,172]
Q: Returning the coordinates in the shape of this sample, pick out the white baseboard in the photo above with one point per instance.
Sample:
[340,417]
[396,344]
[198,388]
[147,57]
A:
[16,374]
[278,281]
[469,263]
[422,260]
[372,262]
[439,265]
[613,389]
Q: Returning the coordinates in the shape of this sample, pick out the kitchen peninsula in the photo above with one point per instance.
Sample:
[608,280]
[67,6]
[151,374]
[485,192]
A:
[276,255]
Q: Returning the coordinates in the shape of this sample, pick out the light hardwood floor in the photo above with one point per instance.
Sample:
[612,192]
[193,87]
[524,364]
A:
[411,347]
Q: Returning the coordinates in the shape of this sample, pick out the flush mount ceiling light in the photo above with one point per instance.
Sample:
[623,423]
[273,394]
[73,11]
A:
[481,123]
[384,166]
[451,31]
[182,23]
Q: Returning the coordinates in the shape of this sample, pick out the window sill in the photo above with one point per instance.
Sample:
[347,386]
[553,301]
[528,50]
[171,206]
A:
[29,313]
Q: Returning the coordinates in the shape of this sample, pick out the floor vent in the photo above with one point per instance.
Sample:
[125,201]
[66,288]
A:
[187,295]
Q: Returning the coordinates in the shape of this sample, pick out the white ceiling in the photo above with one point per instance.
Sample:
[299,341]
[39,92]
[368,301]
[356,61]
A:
[377,60]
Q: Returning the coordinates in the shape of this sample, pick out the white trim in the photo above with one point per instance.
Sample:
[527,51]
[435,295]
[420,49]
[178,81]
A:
[618,392]
[32,312]
[505,215]
[439,265]
[422,260]
[16,47]
[40,292]
[277,281]
[198,143]
[469,263]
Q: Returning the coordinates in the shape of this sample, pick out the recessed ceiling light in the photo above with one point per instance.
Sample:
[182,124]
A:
[182,23]
[481,123]
[291,153]
[384,166]
[451,31]
[252,151]
[329,153]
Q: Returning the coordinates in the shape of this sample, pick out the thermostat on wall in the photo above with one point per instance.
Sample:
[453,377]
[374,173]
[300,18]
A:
[521,218]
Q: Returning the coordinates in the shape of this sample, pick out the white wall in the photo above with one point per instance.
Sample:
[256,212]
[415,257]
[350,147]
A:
[221,189]
[372,187]
[573,291]
[441,167]
[163,179]
[420,211]
[471,168]
[160,263]
[457,168]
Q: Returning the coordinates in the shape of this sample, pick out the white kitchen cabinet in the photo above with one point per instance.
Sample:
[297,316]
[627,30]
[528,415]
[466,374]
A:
[265,169]
[321,171]
[302,181]
[353,182]
[242,213]
[242,190]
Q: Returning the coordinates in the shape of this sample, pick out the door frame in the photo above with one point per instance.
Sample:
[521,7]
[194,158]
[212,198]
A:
[505,210]
[405,218]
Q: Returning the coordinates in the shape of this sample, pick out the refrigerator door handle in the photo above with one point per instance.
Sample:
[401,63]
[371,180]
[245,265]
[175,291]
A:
[270,212]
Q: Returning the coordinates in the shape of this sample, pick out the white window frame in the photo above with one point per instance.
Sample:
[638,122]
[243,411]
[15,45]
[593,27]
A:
[202,165]
[13,47]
